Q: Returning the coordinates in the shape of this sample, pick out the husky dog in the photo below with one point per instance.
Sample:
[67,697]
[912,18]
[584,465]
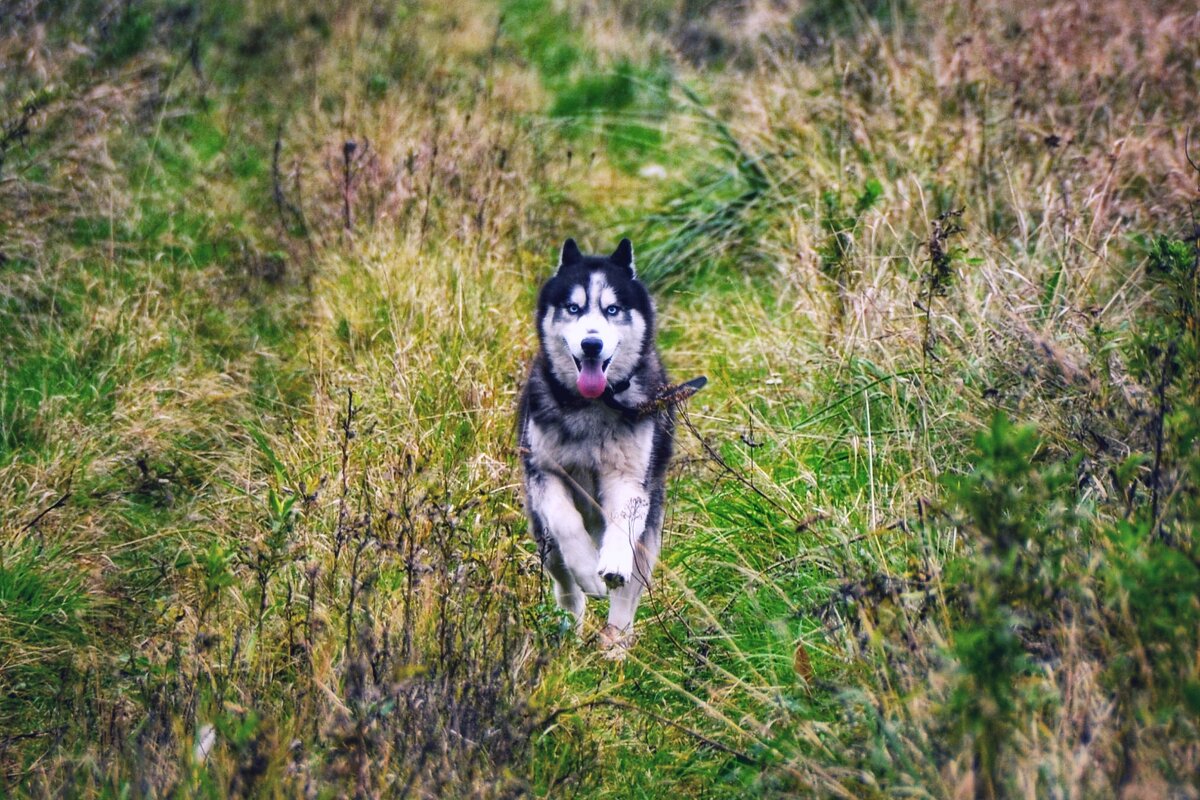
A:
[595,468]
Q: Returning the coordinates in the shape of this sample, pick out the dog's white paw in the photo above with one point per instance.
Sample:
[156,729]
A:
[615,643]
[615,566]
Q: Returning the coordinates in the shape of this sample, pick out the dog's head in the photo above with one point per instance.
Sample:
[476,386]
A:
[595,319]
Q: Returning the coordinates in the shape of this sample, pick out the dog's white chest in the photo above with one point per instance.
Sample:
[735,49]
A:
[593,439]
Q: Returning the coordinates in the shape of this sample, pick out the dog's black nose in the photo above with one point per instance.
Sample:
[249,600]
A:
[591,347]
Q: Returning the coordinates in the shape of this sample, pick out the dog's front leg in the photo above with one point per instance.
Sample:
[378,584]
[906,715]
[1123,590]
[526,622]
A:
[625,503]
[568,553]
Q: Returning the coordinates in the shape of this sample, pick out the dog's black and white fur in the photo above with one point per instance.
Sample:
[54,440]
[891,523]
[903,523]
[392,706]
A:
[595,469]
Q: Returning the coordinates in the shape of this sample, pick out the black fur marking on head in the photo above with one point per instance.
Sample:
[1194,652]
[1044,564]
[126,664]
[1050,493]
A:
[570,254]
[623,256]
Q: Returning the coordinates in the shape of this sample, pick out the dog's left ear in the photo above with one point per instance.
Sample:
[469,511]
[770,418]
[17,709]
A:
[623,256]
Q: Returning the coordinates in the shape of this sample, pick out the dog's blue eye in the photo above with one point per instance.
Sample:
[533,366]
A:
[612,311]
[572,308]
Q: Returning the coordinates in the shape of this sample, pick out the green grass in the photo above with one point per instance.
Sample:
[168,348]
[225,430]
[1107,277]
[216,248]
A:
[931,527]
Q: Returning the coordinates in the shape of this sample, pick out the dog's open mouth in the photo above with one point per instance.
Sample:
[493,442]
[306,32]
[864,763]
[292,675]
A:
[591,381]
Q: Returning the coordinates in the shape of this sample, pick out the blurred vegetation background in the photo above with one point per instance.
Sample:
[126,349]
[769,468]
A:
[267,272]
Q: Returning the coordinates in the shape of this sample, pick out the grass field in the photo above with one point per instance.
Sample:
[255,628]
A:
[267,278]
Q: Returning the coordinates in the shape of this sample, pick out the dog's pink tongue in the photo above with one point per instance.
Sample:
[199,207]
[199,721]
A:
[591,380]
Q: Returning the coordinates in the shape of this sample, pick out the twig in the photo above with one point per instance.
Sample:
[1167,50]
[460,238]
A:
[17,130]
[1156,473]
[945,226]
[276,183]
[355,585]
[59,503]
[742,479]
[340,533]
[671,396]
[433,157]
[347,161]
[284,206]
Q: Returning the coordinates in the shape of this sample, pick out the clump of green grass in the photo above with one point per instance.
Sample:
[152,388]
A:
[621,103]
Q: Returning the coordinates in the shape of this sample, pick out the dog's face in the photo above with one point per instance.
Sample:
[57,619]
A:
[595,319]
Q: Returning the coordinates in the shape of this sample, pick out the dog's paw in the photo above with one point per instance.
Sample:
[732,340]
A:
[614,568]
[615,643]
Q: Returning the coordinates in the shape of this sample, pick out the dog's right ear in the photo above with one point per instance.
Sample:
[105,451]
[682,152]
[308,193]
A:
[570,254]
